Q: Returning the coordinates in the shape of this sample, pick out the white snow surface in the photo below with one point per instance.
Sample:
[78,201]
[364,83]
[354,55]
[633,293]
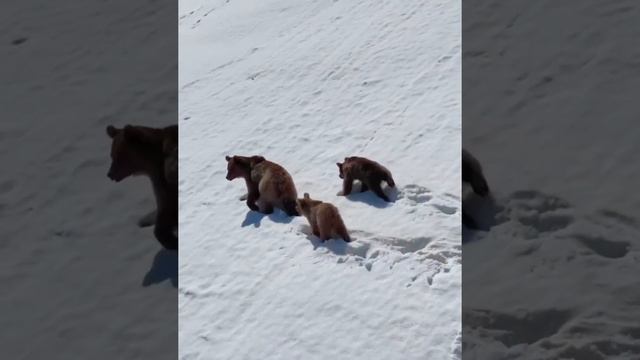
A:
[306,83]
[555,277]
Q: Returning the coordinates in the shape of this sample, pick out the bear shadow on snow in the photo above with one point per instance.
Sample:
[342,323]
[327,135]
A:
[255,218]
[164,267]
[336,246]
[370,198]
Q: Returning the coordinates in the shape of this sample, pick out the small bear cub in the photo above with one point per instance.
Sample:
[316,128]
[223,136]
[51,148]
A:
[370,173]
[324,218]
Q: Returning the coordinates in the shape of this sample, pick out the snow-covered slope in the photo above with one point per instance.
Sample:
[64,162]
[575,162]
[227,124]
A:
[306,83]
[556,277]
[79,279]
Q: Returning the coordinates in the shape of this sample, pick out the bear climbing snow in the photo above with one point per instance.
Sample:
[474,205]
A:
[324,218]
[370,173]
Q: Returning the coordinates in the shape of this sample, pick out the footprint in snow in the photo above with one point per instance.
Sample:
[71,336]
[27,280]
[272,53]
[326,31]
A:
[415,193]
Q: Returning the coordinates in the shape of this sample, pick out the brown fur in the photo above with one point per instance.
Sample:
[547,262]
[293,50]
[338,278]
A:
[269,185]
[324,218]
[370,173]
[141,150]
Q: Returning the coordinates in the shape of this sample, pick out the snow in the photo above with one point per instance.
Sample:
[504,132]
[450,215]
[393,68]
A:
[79,278]
[306,83]
[556,275]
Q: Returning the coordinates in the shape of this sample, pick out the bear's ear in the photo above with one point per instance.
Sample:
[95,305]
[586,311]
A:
[112,131]
[306,196]
[228,158]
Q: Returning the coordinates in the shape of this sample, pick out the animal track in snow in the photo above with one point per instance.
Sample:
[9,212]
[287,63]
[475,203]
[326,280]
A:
[367,249]
[612,219]
[449,210]
[603,247]
[535,200]
[550,214]
[410,245]
[355,248]
[530,209]
[415,193]
[513,329]
[452,196]
[546,222]
[600,349]
[403,246]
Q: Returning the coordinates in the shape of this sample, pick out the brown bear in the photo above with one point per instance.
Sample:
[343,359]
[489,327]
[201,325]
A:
[141,150]
[472,174]
[370,173]
[268,184]
[324,218]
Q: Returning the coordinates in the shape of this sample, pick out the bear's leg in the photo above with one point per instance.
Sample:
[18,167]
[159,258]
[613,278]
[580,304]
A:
[479,185]
[468,221]
[378,190]
[252,197]
[324,236]
[164,232]
[315,230]
[390,181]
[344,235]
[347,185]
[364,187]
[267,208]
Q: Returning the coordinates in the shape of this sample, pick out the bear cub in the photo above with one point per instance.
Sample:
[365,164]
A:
[370,173]
[324,218]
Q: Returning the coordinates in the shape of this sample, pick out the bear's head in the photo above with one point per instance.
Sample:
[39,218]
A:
[240,166]
[134,150]
[305,204]
[342,164]
[340,171]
